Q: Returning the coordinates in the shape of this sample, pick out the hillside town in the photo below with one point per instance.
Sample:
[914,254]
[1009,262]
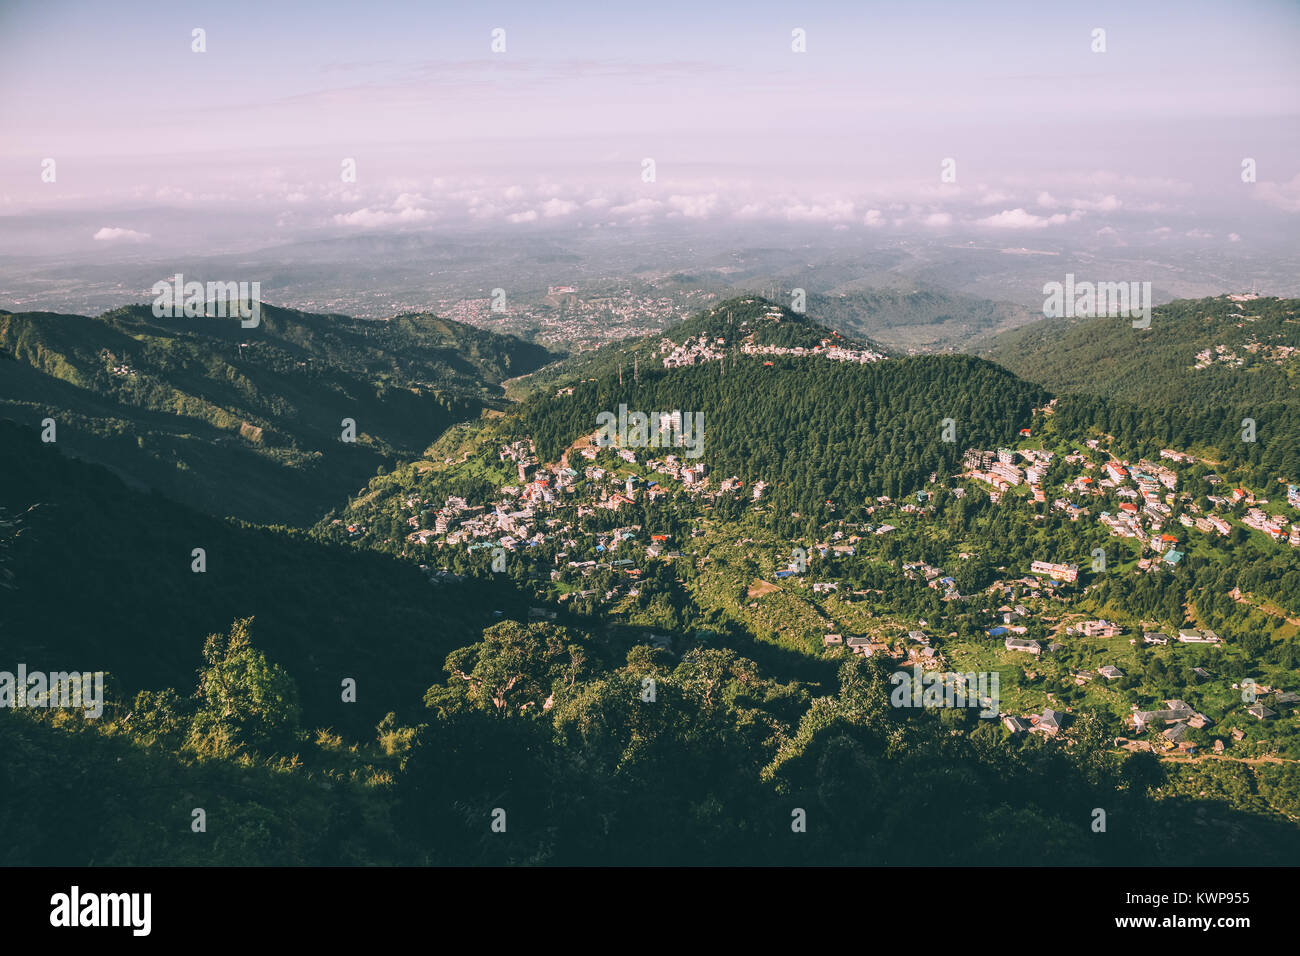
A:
[1148,502]
[705,348]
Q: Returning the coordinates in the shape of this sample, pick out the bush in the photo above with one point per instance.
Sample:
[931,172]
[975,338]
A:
[244,701]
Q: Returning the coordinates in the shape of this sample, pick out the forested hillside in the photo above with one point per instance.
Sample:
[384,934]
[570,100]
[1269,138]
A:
[1190,379]
[820,431]
[727,328]
[103,578]
[248,422]
[759,321]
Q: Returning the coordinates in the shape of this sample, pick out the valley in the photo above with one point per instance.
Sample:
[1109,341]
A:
[700,628]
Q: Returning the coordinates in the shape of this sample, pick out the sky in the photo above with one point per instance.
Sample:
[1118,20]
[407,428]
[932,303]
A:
[1037,132]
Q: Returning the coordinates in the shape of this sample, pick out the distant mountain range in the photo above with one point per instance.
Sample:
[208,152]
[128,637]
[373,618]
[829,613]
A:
[921,319]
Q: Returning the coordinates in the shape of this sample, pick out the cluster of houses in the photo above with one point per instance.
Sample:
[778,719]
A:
[1281,699]
[702,349]
[528,514]
[1029,586]
[1147,492]
[1187,635]
[1068,573]
[707,348]
[999,469]
[1049,722]
[826,348]
[1275,526]
[1098,628]
[1174,720]
[1177,718]
[117,368]
[934,578]
[918,648]
[1276,354]
[1220,353]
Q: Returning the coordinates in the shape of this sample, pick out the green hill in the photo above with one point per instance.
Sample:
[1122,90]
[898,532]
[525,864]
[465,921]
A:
[1252,358]
[1190,379]
[760,321]
[743,320]
[818,430]
[248,422]
[102,579]
[919,319]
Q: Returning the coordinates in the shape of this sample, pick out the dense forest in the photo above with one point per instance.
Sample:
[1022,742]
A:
[825,434]
[1252,361]
[537,749]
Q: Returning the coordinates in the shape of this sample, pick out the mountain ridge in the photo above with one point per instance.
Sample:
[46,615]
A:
[248,422]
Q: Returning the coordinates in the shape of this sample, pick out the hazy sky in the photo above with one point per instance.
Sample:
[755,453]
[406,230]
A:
[1046,134]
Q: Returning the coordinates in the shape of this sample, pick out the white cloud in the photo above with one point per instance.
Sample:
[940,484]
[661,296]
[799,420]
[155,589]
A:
[837,211]
[527,216]
[694,207]
[1107,203]
[409,201]
[874,218]
[373,218]
[1018,218]
[1285,196]
[114,234]
[558,207]
[638,207]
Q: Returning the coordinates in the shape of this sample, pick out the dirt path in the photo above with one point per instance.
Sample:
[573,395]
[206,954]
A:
[1250,760]
[1265,605]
